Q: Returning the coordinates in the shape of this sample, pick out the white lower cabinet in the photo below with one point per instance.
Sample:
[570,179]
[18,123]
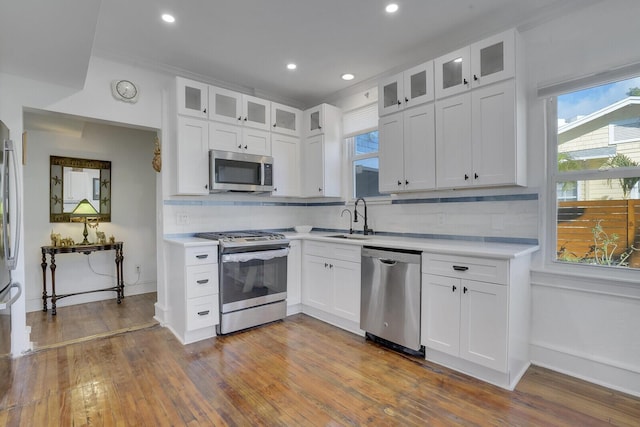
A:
[193,292]
[466,319]
[331,283]
[475,315]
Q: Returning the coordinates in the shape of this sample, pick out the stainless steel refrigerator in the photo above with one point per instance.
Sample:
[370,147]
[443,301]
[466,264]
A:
[9,238]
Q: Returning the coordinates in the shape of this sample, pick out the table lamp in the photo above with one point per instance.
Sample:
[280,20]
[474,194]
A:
[84,210]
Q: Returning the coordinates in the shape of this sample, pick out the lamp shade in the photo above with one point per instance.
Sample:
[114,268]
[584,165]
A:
[84,208]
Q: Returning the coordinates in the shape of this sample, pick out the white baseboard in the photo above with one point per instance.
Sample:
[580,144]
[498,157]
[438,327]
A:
[601,372]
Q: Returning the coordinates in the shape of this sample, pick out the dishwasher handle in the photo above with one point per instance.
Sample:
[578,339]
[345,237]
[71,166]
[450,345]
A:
[388,261]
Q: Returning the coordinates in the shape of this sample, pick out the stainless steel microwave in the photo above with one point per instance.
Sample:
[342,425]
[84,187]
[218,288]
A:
[229,171]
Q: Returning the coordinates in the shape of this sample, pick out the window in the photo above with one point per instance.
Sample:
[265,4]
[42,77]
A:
[596,175]
[365,164]
[361,136]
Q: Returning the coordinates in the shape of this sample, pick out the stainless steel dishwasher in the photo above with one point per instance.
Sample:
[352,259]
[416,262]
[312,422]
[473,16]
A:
[390,298]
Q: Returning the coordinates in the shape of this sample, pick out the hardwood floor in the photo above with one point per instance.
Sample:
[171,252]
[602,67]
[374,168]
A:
[296,372]
[87,321]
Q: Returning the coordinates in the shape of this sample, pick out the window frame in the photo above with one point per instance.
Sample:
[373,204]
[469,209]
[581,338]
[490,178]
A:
[353,158]
[554,176]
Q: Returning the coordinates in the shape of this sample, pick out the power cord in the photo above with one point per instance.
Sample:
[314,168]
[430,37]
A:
[110,275]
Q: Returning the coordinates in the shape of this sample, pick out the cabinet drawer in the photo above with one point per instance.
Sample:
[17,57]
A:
[332,250]
[202,312]
[202,280]
[472,268]
[201,255]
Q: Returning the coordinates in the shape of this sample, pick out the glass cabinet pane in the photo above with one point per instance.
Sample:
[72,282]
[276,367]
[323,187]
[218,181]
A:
[285,119]
[390,94]
[452,73]
[226,105]
[192,98]
[315,121]
[418,85]
[256,113]
[492,59]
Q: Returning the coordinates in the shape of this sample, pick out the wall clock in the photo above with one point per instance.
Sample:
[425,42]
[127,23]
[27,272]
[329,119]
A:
[124,90]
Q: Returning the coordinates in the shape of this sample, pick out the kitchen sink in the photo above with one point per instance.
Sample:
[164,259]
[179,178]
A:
[350,236]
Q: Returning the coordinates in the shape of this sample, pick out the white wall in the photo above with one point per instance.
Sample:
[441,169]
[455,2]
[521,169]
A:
[94,101]
[586,326]
[132,213]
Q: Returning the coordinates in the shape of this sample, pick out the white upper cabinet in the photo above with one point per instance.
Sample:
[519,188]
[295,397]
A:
[407,89]
[452,73]
[226,137]
[192,156]
[235,108]
[493,59]
[407,150]
[479,138]
[482,63]
[286,120]
[314,120]
[225,105]
[321,152]
[192,98]
[286,165]
[256,112]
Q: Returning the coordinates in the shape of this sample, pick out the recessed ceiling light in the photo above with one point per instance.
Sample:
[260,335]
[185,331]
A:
[168,18]
[348,76]
[391,8]
[291,66]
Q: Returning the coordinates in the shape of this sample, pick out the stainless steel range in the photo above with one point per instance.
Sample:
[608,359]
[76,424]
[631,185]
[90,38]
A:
[253,278]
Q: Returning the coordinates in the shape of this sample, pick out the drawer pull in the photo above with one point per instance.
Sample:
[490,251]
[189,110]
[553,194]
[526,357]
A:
[203,256]
[202,282]
[203,313]
[460,268]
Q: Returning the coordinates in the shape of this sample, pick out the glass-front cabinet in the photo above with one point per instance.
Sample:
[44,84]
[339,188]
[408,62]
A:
[314,120]
[235,108]
[482,63]
[226,105]
[286,120]
[452,73]
[407,89]
[493,59]
[192,98]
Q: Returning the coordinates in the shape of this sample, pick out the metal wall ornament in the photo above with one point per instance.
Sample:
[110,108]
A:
[157,157]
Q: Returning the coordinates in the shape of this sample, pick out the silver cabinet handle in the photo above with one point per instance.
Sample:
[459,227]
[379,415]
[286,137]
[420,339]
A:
[460,268]
[202,282]
[203,313]
[203,256]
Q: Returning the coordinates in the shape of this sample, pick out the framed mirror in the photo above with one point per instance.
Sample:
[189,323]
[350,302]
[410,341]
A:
[72,180]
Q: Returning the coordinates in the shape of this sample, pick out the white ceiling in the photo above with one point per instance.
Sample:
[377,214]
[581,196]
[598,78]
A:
[245,44]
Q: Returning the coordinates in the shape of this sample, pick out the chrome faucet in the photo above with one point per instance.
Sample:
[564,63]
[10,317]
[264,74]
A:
[366,230]
[350,219]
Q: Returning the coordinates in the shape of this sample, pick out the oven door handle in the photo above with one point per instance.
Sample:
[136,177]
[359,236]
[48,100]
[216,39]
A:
[259,255]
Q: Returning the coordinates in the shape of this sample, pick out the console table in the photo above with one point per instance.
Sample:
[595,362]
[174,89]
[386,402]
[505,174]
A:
[52,251]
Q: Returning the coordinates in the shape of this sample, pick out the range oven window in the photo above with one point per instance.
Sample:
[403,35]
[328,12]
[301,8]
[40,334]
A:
[238,172]
[245,276]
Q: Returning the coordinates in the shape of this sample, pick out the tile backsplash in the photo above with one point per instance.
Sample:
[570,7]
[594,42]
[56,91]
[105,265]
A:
[510,218]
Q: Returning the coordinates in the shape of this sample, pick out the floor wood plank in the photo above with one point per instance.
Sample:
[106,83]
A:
[297,372]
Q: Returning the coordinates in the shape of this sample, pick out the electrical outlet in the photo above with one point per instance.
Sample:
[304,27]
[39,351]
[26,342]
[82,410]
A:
[440,217]
[138,268]
[182,219]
